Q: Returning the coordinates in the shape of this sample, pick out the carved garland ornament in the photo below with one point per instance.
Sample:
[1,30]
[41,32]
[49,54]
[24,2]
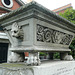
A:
[45,34]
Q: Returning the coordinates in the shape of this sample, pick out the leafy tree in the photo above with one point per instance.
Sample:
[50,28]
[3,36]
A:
[69,14]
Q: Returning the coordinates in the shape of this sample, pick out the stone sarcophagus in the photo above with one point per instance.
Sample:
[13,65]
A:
[34,28]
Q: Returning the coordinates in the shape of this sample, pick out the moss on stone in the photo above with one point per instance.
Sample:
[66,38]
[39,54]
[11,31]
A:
[15,66]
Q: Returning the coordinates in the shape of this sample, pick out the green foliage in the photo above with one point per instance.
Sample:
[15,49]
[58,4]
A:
[72,46]
[56,55]
[69,14]
[43,54]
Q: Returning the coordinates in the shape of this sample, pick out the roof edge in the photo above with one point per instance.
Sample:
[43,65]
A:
[6,9]
[20,2]
[62,9]
[68,5]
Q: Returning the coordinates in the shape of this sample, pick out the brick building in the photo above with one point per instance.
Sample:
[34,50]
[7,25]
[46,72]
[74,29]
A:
[62,9]
[9,5]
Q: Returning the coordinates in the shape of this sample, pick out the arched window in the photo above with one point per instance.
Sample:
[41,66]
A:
[7,3]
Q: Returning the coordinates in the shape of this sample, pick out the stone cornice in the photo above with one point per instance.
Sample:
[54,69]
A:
[5,9]
[35,7]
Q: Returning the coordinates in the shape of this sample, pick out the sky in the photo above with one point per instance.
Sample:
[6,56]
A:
[54,4]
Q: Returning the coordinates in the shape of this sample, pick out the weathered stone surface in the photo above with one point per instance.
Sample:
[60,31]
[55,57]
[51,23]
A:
[47,68]
[16,57]
[34,28]
[65,56]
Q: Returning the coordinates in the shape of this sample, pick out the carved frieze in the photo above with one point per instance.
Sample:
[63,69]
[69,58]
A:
[45,34]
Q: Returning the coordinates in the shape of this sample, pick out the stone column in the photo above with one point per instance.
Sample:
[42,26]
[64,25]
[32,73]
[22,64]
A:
[9,52]
[51,56]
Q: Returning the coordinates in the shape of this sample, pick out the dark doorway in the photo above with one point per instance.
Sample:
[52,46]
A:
[3,52]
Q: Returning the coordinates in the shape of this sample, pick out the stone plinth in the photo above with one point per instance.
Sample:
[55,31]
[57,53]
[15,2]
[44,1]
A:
[47,68]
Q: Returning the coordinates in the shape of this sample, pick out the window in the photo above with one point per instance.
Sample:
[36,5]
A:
[7,3]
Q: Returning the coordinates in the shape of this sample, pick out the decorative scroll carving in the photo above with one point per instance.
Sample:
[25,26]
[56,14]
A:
[45,34]
[17,31]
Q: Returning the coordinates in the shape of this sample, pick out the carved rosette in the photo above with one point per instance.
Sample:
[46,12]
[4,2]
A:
[45,34]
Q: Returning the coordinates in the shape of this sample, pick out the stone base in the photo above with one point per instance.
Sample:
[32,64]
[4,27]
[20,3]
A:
[46,68]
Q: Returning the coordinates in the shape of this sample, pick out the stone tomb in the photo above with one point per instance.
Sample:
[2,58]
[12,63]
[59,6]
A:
[34,28]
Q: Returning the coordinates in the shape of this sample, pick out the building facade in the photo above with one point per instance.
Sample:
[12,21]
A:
[6,6]
[62,9]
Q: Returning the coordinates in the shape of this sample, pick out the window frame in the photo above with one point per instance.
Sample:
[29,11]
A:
[8,6]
